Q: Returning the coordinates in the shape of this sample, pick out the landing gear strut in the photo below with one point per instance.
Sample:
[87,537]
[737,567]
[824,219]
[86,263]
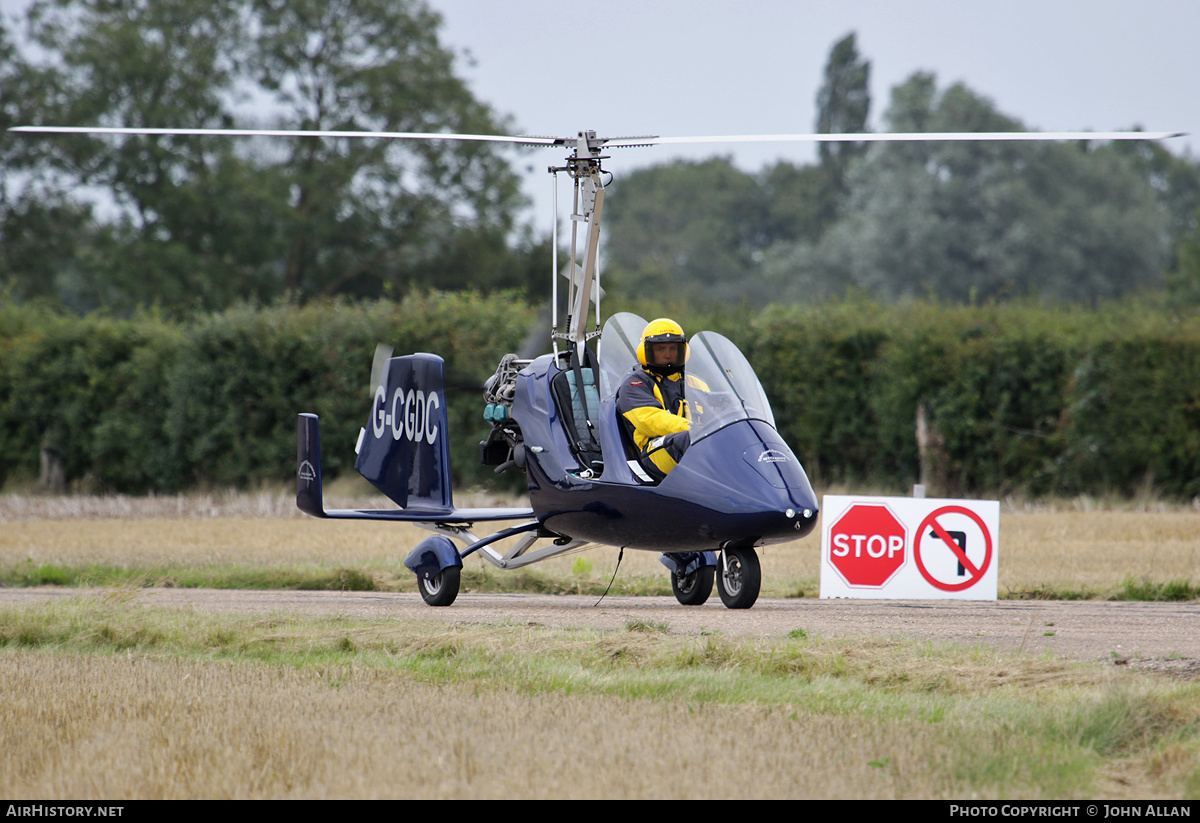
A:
[739,577]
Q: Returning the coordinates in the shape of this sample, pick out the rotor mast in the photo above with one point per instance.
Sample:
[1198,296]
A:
[583,166]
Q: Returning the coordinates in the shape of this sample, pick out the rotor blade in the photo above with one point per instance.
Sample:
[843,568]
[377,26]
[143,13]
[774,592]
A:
[616,142]
[628,142]
[389,135]
[896,137]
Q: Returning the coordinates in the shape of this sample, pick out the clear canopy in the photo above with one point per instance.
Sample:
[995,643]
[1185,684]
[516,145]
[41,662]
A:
[732,389]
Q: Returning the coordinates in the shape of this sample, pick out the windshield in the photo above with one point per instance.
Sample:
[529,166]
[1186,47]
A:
[731,390]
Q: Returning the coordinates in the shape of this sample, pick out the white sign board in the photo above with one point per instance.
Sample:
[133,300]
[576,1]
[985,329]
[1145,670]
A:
[908,548]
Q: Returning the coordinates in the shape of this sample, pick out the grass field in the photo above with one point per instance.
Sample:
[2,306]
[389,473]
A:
[108,699]
[1067,551]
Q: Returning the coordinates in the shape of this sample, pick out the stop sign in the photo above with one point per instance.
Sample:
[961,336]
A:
[867,545]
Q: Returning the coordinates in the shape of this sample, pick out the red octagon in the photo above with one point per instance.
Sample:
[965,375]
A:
[868,545]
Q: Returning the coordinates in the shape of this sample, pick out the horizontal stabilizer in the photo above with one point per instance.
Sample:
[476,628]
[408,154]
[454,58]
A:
[461,516]
[309,496]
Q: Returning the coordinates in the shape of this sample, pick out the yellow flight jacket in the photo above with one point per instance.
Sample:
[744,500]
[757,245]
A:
[652,406]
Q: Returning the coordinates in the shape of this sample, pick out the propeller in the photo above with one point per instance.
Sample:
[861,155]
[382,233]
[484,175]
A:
[383,353]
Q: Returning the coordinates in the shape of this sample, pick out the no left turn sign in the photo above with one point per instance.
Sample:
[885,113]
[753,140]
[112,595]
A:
[953,548]
[908,548]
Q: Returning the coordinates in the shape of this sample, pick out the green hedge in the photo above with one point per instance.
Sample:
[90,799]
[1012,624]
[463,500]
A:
[1021,397]
[1018,397]
[1132,413]
[140,405]
[80,389]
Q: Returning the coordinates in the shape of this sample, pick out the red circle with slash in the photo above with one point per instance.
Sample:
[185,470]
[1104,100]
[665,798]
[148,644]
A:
[974,573]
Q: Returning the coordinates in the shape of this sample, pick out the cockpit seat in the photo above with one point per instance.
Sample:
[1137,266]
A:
[579,406]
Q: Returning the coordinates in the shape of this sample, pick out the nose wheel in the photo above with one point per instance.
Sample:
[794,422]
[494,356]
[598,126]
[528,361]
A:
[693,589]
[739,577]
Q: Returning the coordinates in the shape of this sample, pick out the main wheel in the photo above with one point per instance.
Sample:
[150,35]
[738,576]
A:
[693,589]
[442,588]
[738,578]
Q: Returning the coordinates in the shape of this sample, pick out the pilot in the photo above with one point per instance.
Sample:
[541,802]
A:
[650,400]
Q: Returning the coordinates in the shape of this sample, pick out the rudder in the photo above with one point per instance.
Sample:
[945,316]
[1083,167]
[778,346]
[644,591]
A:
[404,451]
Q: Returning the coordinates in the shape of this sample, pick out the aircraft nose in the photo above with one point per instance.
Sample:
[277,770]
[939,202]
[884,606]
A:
[748,471]
[794,518]
[802,519]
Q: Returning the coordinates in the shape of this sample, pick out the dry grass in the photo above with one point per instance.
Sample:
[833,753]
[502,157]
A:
[116,701]
[18,507]
[1076,547]
[136,727]
[252,541]
[1097,549]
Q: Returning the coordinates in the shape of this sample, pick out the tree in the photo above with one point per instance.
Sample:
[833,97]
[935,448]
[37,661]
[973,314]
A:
[686,229]
[40,228]
[982,220]
[798,203]
[199,222]
[1175,181]
[843,105]
[177,228]
[1183,282]
[379,211]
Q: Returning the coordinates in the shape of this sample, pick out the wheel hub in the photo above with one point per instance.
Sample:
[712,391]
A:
[733,575]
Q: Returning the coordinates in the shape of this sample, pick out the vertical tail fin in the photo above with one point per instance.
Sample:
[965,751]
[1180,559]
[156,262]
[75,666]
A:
[404,450]
[308,461]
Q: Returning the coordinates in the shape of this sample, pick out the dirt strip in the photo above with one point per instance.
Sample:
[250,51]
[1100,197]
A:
[1159,636]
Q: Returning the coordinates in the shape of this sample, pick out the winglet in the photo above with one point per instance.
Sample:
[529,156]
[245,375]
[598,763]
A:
[308,465]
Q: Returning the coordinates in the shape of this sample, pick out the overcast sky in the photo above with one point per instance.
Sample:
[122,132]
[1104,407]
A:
[701,67]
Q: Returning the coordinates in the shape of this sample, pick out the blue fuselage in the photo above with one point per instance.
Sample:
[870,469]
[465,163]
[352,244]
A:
[738,485]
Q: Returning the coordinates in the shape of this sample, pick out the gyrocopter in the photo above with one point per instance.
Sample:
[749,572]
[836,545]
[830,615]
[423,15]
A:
[738,487]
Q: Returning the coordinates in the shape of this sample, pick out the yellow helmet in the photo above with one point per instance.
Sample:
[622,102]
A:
[662,330]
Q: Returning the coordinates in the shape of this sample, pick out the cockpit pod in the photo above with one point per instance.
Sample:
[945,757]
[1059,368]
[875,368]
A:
[738,483]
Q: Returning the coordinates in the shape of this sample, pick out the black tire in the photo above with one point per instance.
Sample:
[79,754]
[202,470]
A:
[695,588]
[442,589]
[739,578]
